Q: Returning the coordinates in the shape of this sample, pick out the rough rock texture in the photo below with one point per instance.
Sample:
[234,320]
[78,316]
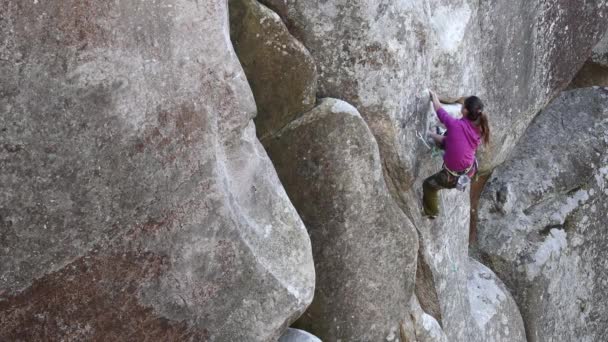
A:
[600,52]
[296,335]
[134,185]
[445,278]
[494,310]
[364,246]
[137,203]
[381,55]
[530,64]
[425,327]
[595,70]
[374,55]
[444,255]
[281,72]
[442,275]
[468,300]
[543,218]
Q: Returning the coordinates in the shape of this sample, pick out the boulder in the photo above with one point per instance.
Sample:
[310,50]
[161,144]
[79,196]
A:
[542,217]
[137,203]
[374,55]
[281,72]
[364,247]
[493,309]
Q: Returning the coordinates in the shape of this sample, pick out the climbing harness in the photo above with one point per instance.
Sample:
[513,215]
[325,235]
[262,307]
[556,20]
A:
[463,179]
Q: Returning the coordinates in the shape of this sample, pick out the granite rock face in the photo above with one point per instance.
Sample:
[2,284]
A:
[493,309]
[380,56]
[467,300]
[530,65]
[542,220]
[445,270]
[425,327]
[600,52]
[443,262]
[281,72]
[364,246]
[595,70]
[375,56]
[138,204]
[133,183]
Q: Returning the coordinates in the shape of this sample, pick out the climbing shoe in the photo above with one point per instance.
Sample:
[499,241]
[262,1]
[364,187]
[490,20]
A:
[430,217]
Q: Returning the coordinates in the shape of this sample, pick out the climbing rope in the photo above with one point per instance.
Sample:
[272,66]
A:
[419,136]
[435,152]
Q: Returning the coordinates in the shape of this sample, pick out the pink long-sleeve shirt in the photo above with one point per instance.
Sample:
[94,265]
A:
[460,143]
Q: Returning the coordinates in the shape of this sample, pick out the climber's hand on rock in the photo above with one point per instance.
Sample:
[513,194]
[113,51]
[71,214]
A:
[436,103]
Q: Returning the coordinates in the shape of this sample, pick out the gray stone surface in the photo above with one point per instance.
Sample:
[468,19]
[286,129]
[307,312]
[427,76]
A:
[444,262]
[297,335]
[600,52]
[380,56]
[595,70]
[134,185]
[530,65]
[425,327]
[364,246]
[467,300]
[374,55]
[136,201]
[280,70]
[542,220]
[444,266]
[493,309]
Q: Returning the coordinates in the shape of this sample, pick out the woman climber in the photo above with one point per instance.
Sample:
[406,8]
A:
[460,144]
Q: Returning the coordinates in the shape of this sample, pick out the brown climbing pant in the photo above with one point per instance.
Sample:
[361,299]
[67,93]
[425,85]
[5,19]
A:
[431,187]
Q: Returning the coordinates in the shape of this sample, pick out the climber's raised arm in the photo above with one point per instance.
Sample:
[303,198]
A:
[435,100]
[442,114]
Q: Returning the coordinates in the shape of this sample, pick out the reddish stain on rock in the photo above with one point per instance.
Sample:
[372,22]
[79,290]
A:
[95,298]
[182,127]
